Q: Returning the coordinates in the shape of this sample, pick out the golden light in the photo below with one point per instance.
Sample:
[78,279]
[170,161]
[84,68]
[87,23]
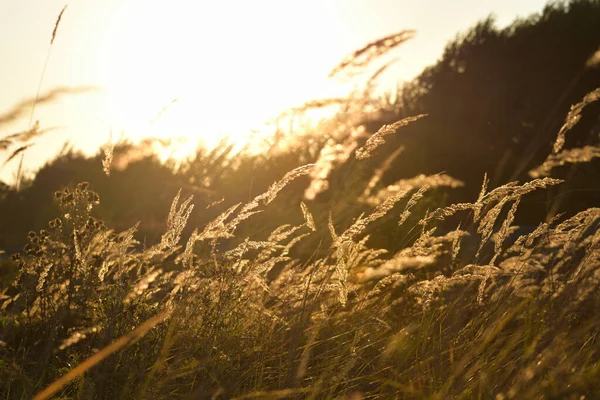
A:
[230,66]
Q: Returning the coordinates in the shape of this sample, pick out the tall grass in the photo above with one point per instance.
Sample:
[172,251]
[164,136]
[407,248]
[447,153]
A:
[480,310]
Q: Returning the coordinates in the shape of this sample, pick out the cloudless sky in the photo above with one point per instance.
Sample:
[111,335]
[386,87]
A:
[231,64]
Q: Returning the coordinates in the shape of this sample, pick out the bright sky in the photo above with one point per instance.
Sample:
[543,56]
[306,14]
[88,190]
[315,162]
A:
[231,63]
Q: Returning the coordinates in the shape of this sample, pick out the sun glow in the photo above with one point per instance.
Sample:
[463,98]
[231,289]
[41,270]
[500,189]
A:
[203,72]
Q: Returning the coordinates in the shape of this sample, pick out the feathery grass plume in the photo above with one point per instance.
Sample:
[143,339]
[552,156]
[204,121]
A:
[42,277]
[377,139]
[216,229]
[188,253]
[20,109]
[24,136]
[267,197]
[56,24]
[541,230]
[310,222]
[504,230]
[499,192]
[574,155]
[247,245]
[419,181]
[428,291]
[479,203]
[395,280]
[276,187]
[125,240]
[378,174]
[361,223]
[334,235]
[282,232]
[442,213]
[16,153]
[362,57]
[456,244]
[482,285]
[486,225]
[162,111]
[214,203]
[176,221]
[108,151]
[331,154]
[400,263]
[292,243]
[422,246]
[571,236]
[573,118]
[418,195]
[349,254]
[219,229]
[506,194]
[424,291]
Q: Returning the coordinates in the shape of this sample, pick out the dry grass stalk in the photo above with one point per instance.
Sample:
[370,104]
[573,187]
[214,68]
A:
[310,222]
[214,203]
[249,209]
[108,151]
[574,155]
[573,118]
[456,244]
[16,152]
[23,136]
[287,178]
[418,195]
[378,174]
[505,194]
[377,140]
[176,221]
[420,181]
[364,56]
[56,24]
[361,223]
[115,346]
[542,229]
[331,154]
[282,232]
[334,235]
[479,203]
[504,230]
[445,212]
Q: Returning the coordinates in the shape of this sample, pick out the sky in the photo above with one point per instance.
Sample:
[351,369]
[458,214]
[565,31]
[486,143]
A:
[230,64]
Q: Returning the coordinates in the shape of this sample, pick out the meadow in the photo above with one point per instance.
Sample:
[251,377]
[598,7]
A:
[355,266]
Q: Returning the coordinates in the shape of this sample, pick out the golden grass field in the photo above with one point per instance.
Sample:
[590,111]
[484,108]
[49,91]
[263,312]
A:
[453,300]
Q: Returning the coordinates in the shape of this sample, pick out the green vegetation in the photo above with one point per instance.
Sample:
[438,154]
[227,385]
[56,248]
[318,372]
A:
[369,270]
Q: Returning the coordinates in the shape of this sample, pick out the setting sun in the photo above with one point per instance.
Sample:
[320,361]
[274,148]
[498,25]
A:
[231,66]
